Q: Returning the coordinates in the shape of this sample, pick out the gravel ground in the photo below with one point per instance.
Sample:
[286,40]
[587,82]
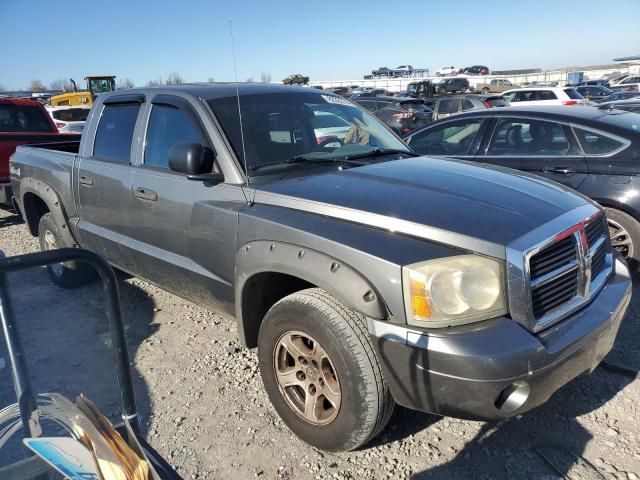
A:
[205,410]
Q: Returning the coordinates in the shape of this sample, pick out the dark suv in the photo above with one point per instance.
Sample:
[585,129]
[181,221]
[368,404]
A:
[453,85]
[401,114]
[477,70]
[591,150]
[595,93]
[448,105]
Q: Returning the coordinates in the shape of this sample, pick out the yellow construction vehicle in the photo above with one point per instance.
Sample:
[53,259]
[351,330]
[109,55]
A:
[96,84]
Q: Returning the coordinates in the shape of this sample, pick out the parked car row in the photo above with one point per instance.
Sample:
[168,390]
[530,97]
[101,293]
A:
[592,150]
[473,70]
[365,275]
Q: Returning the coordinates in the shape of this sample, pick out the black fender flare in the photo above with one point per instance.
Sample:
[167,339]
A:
[317,268]
[50,197]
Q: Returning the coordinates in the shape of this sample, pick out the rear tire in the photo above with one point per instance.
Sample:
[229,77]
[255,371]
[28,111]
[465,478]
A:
[624,231]
[68,274]
[357,405]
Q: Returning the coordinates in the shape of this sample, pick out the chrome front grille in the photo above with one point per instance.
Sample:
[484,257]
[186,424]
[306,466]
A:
[557,292]
[561,273]
[558,267]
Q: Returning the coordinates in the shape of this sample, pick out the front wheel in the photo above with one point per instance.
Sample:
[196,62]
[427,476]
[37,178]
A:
[624,231]
[321,373]
[485,91]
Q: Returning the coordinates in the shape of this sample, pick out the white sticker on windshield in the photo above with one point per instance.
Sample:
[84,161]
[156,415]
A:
[336,100]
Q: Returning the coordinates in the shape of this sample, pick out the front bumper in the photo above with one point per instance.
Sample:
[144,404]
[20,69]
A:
[497,369]
[5,194]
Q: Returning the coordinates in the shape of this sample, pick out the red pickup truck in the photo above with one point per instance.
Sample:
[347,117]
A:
[23,121]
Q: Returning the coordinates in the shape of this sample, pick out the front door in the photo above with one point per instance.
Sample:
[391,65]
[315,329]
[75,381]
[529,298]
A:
[182,225]
[541,147]
[104,185]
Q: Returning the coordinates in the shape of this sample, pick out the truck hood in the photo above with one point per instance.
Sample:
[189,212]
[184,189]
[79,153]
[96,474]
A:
[488,203]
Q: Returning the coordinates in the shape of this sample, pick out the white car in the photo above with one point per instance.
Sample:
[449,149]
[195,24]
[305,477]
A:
[447,71]
[69,118]
[544,96]
[630,83]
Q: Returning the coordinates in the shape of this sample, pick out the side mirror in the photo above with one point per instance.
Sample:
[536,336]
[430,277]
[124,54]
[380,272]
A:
[195,161]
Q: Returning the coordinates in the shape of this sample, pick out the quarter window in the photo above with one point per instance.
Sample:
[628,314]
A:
[451,139]
[115,132]
[595,143]
[168,126]
[528,137]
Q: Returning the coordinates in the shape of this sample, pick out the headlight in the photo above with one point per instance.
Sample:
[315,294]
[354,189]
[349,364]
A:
[454,290]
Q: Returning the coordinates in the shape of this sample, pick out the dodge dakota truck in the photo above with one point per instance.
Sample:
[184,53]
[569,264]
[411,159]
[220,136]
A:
[22,121]
[364,274]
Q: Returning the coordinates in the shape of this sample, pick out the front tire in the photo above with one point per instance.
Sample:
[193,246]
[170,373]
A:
[68,274]
[624,231]
[321,373]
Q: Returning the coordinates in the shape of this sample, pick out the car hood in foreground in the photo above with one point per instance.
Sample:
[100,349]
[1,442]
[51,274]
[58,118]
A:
[487,203]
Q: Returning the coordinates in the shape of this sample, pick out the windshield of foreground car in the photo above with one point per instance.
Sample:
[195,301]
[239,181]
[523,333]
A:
[281,126]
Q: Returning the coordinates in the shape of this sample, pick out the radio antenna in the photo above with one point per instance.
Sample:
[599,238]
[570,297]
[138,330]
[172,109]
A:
[235,72]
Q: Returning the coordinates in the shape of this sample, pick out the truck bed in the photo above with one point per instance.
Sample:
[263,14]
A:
[9,142]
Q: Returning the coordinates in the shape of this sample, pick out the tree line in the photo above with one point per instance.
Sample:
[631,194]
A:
[174,78]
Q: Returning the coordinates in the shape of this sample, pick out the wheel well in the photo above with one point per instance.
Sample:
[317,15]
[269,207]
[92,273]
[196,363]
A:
[606,203]
[34,208]
[260,293]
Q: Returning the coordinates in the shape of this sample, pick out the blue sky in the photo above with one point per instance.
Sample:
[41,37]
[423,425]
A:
[144,40]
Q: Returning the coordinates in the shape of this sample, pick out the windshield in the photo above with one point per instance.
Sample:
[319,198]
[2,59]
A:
[101,85]
[280,126]
[71,114]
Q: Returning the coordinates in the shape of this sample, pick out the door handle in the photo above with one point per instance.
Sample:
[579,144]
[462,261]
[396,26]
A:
[559,170]
[86,180]
[146,194]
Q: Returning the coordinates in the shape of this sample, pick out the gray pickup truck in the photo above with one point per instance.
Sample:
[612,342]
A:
[365,276]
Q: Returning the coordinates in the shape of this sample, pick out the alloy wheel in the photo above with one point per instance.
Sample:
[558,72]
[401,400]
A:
[620,239]
[51,244]
[307,378]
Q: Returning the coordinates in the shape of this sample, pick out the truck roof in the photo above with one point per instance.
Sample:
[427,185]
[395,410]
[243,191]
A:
[19,101]
[210,91]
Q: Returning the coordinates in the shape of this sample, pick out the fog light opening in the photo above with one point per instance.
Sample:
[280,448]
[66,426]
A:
[513,397]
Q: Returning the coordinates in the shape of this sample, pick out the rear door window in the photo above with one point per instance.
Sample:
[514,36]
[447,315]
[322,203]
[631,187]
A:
[594,143]
[520,137]
[115,132]
[526,96]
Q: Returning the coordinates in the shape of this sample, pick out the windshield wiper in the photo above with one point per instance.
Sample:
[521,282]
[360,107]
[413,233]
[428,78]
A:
[377,152]
[304,159]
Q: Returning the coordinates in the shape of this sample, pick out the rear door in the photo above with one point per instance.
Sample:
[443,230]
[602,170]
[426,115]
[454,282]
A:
[104,181]
[545,148]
